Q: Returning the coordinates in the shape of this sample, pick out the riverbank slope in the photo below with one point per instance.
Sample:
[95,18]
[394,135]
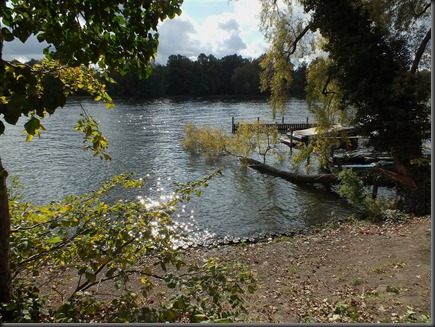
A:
[354,272]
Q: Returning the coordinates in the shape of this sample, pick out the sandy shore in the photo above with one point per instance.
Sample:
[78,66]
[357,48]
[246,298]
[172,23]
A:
[354,272]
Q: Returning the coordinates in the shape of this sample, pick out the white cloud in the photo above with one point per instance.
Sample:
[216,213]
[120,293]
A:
[229,26]
[232,30]
[176,38]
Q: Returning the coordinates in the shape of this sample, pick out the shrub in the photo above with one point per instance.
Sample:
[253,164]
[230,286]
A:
[377,210]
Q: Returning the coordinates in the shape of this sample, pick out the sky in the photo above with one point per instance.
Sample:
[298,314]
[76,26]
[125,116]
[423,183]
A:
[217,27]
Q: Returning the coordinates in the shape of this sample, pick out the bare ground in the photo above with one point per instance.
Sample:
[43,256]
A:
[356,272]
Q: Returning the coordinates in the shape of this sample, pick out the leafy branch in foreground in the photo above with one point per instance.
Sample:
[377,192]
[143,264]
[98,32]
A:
[65,253]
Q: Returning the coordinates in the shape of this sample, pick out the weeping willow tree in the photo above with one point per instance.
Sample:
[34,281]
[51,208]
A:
[287,28]
[367,61]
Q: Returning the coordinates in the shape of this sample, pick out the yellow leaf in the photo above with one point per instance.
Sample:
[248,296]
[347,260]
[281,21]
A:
[29,138]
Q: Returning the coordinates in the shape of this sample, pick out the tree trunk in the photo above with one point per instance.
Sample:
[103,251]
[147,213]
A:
[292,177]
[417,200]
[5,218]
[5,232]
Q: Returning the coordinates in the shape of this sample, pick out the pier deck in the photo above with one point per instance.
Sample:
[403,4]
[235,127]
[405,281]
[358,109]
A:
[281,127]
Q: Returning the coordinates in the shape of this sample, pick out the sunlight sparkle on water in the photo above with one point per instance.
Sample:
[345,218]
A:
[184,222]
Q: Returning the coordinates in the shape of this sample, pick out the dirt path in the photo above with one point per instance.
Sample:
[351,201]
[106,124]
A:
[353,273]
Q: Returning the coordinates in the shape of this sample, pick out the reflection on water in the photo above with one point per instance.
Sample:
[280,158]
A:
[145,138]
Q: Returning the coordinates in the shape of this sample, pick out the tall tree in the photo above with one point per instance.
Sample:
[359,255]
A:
[179,69]
[246,78]
[373,50]
[114,35]
[228,65]
[207,69]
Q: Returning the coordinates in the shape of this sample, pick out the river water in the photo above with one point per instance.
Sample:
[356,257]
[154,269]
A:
[145,138]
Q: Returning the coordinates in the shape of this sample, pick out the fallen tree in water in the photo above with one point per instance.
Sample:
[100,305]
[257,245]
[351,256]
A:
[290,176]
[369,177]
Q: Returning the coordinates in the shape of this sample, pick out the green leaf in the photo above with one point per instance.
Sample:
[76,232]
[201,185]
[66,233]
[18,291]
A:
[110,272]
[53,96]
[252,288]
[172,284]
[7,35]
[32,125]
[90,277]
[13,110]
[170,315]
[54,240]
[200,317]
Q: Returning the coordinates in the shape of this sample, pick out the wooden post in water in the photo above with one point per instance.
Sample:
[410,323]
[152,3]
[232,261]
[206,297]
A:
[233,127]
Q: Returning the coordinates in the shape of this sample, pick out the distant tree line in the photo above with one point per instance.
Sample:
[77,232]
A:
[231,75]
[207,76]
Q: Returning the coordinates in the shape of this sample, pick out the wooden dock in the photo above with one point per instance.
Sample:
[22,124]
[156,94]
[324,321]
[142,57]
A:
[281,127]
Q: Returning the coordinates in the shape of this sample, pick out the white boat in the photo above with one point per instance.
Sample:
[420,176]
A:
[304,135]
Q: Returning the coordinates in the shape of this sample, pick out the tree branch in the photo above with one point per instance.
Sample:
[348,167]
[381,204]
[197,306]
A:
[297,39]
[420,51]
[88,284]
[325,92]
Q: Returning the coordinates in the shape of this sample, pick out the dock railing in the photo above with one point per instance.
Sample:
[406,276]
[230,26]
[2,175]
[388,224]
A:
[281,127]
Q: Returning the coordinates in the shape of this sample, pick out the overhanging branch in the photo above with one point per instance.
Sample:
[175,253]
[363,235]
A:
[297,39]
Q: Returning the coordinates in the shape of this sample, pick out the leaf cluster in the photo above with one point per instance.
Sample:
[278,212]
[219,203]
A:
[283,28]
[210,141]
